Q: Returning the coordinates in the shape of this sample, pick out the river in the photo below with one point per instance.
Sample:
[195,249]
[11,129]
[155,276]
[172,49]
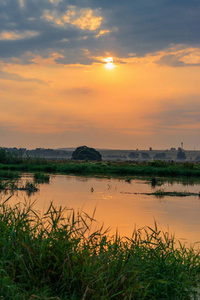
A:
[121,204]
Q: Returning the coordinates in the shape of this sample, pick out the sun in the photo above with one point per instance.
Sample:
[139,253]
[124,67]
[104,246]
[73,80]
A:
[109,63]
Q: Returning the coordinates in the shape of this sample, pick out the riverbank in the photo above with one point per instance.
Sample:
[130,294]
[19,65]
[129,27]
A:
[45,256]
[153,168]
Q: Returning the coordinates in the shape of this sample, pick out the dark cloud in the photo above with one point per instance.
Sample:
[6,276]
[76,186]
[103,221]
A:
[141,27]
[170,60]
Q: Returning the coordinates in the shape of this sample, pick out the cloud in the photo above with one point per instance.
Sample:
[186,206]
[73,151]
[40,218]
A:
[174,56]
[21,3]
[85,19]
[141,27]
[55,1]
[17,77]
[79,91]
[185,116]
[17,35]
[180,56]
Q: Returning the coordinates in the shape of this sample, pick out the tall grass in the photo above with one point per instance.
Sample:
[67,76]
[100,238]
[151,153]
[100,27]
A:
[56,256]
[153,168]
[41,177]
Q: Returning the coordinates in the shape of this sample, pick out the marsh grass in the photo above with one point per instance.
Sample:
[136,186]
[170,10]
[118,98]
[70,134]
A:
[13,185]
[55,255]
[161,193]
[152,168]
[8,175]
[29,186]
[41,177]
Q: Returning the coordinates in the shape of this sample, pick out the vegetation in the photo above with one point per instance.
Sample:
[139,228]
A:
[8,157]
[160,156]
[30,187]
[151,168]
[9,174]
[107,154]
[41,177]
[161,193]
[133,155]
[55,257]
[145,155]
[86,153]
[12,185]
[181,154]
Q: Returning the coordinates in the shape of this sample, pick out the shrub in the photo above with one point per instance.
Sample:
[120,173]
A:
[86,153]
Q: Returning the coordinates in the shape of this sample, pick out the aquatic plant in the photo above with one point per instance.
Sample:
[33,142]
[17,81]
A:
[41,177]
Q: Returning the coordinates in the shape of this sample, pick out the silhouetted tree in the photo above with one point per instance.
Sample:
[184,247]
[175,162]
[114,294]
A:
[86,153]
[160,156]
[181,154]
[145,155]
[133,155]
[3,156]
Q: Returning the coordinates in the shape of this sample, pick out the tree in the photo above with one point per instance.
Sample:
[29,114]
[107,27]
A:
[3,156]
[160,156]
[86,153]
[181,155]
[133,155]
[145,155]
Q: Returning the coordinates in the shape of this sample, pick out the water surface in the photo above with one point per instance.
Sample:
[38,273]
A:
[118,207]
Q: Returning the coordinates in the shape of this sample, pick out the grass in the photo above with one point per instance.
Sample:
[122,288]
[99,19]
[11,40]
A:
[30,187]
[12,185]
[162,193]
[152,168]
[57,256]
[8,174]
[41,177]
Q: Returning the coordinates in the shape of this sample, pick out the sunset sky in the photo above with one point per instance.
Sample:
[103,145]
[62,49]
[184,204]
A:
[106,74]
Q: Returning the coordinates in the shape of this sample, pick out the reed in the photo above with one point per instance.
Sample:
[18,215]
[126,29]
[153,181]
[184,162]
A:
[56,255]
[41,177]
[153,168]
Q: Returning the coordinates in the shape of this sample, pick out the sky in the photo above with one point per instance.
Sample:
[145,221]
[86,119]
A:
[106,74]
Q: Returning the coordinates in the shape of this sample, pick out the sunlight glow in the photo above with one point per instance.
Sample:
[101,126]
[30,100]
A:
[109,63]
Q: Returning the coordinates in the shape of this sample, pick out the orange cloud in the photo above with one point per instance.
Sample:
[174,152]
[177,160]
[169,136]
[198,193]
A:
[85,18]
[17,34]
[102,32]
[176,56]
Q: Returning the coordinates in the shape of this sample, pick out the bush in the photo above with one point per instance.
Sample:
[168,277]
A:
[86,153]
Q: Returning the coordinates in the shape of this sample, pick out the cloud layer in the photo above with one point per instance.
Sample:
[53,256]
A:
[116,27]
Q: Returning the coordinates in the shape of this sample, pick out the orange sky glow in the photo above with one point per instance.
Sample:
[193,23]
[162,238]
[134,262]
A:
[103,98]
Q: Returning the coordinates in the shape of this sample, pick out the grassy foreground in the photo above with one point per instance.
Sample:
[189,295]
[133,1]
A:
[50,256]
